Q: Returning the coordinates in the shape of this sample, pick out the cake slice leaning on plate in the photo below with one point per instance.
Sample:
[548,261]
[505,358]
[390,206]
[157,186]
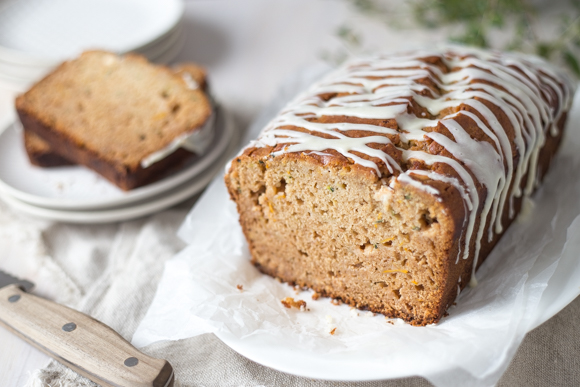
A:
[387,183]
[121,116]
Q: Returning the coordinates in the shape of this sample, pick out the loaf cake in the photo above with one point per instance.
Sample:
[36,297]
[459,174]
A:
[42,155]
[119,115]
[387,183]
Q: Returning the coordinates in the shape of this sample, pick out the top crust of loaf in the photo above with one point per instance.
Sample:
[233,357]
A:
[460,119]
[120,108]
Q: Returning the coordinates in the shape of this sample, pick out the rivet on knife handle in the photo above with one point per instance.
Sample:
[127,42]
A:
[80,342]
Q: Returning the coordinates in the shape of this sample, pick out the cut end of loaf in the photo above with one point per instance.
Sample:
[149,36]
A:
[345,234]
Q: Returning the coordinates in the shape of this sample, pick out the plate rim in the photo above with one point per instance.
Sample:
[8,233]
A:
[111,215]
[154,51]
[222,120]
[170,52]
[166,49]
[177,28]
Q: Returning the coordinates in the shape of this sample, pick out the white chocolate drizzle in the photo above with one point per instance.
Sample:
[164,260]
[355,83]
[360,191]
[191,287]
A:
[530,95]
[196,142]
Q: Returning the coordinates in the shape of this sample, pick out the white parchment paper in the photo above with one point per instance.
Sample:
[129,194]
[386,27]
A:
[471,347]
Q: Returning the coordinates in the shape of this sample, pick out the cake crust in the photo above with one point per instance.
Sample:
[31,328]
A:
[389,182]
[40,153]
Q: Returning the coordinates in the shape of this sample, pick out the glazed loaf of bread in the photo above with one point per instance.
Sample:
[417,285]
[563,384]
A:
[387,183]
[121,116]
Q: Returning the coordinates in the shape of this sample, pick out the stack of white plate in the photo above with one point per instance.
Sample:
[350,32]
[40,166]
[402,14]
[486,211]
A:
[37,35]
[78,195]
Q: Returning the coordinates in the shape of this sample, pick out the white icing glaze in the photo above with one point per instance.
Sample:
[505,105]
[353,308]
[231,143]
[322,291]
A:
[189,81]
[196,142]
[524,89]
[528,206]
[405,178]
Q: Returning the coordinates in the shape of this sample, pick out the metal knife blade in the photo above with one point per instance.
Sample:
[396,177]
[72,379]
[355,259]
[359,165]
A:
[6,279]
[78,341]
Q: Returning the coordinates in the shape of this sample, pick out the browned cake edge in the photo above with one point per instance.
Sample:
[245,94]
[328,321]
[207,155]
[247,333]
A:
[41,154]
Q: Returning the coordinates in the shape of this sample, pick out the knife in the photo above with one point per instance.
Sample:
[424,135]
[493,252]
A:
[76,340]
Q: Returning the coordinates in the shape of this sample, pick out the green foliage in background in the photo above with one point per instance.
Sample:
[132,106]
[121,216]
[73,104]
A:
[477,19]
[478,16]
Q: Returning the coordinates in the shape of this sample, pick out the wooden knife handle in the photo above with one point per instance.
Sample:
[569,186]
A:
[80,342]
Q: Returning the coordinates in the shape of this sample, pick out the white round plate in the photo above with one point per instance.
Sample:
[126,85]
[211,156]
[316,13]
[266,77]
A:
[20,84]
[28,73]
[158,203]
[52,30]
[79,188]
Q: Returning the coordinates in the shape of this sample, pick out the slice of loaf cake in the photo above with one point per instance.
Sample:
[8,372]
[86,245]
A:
[112,113]
[42,155]
[387,184]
